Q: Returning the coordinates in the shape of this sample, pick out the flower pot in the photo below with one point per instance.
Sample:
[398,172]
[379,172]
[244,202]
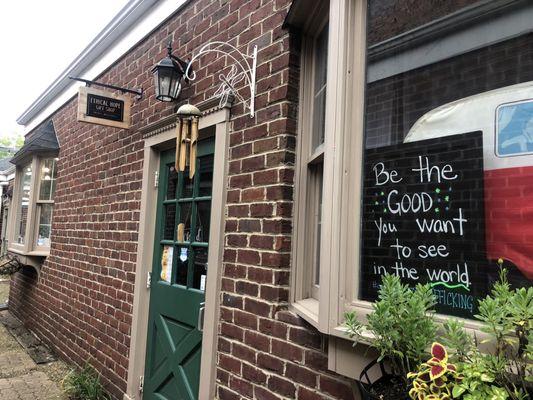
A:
[384,385]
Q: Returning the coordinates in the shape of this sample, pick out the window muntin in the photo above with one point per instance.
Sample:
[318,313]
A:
[439,102]
[23,204]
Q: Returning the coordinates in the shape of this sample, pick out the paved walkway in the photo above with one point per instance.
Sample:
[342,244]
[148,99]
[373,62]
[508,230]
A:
[21,378]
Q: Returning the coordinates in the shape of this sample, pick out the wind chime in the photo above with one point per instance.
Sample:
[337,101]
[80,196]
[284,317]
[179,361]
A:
[186,142]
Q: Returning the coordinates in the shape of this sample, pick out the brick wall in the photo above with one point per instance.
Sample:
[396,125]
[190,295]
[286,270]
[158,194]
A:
[82,302]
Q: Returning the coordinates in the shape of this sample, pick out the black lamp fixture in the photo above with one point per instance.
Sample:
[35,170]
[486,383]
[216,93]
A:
[168,74]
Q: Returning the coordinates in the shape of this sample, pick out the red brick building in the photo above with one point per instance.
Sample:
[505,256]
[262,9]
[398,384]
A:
[231,283]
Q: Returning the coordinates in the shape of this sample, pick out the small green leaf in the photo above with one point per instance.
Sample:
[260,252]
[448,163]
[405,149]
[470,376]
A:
[457,391]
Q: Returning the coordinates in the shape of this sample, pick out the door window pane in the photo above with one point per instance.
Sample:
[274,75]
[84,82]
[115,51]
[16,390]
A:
[188,184]
[200,268]
[206,176]
[182,265]
[185,219]
[170,221]
[172,182]
[167,263]
[203,217]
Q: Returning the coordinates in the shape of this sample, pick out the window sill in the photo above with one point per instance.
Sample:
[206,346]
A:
[308,310]
[33,259]
[35,253]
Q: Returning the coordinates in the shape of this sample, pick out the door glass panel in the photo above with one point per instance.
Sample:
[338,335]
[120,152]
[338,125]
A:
[185,219]
[167,258]
[170,220]
[200,268]
[203,216]
[206,176]
[172,183]
[182,265]
[188,186]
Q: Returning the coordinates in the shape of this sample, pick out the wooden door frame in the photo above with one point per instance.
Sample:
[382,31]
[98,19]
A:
[160,136]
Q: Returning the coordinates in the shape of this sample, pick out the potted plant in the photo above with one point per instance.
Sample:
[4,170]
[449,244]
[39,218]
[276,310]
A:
[401,328]
[505,371]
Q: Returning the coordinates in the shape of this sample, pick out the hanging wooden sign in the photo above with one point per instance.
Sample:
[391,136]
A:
[104,108]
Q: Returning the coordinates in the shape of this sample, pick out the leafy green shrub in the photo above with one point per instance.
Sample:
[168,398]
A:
[506,372]
[401,323]
[84,385]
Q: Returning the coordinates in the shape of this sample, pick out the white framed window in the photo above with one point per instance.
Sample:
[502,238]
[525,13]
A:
[310,164]
[328,159]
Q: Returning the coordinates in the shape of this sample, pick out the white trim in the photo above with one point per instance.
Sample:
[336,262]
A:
[133,23]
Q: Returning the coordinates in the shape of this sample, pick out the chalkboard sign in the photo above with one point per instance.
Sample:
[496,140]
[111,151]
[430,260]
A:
[423,220]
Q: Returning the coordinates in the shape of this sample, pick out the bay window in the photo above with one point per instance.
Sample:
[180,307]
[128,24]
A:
[33,195]
[33,206]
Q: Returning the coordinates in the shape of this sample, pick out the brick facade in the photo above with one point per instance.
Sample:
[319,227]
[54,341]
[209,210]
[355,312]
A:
[81,304]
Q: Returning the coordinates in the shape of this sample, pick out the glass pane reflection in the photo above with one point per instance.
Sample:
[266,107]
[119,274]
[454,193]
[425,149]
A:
[200,268]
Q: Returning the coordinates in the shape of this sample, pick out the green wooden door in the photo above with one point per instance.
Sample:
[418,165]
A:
[179,272]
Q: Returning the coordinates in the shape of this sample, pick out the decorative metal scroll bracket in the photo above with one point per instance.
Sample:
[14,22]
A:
[242,69]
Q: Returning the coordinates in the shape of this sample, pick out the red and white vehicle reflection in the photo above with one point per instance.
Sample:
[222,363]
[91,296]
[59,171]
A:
[505,116]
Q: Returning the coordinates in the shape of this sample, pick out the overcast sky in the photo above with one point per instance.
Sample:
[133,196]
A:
[38,40]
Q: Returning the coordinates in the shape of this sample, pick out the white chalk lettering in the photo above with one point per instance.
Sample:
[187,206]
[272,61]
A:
[383,177]
[427,171]
[409,202]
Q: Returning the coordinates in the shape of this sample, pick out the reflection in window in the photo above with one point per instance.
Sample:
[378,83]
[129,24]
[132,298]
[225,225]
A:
[203,215]
[200,268]
[47,179]
[45,225]
[319,92]
[170,220]
[185,219]
[206,175]
[47,186]
[22,214]
[172,183]
[515,129]
[436,102]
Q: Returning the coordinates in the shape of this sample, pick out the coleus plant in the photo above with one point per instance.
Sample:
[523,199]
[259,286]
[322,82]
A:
[435,378]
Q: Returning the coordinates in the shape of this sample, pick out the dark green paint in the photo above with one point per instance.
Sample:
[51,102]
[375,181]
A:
[174,344]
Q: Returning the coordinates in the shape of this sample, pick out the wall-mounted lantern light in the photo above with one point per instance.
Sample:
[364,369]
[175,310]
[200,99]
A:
[168,74]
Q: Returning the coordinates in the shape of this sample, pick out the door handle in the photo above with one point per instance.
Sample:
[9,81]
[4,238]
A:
[201,314]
